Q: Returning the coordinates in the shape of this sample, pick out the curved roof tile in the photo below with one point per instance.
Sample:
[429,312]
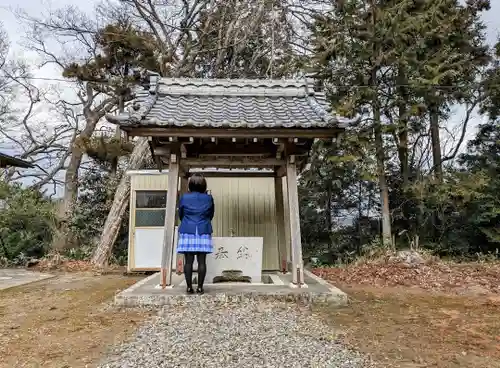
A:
[234,103]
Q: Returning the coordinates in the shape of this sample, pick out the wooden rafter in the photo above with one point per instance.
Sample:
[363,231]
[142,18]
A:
[311,133]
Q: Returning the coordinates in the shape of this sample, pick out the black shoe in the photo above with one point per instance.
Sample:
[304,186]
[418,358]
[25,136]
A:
[200,291]
[190,290]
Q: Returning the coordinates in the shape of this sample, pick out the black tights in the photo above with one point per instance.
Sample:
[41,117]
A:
[201,258]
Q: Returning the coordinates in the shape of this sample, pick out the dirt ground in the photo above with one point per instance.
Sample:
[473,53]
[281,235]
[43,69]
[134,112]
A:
[433,315]
[451,324]
[66,321]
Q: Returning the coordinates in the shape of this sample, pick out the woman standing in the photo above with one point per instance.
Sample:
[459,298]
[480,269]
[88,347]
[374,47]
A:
[196,211]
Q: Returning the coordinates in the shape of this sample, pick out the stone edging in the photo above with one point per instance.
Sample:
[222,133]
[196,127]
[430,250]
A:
[138,284]
[323,282]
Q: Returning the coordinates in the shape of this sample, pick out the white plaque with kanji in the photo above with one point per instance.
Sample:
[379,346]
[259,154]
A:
[236,253]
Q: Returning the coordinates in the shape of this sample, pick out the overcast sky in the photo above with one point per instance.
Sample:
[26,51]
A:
[16,32]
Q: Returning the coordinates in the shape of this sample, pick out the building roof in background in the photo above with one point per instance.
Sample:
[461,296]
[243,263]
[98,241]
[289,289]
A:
[232,103]
[10,161]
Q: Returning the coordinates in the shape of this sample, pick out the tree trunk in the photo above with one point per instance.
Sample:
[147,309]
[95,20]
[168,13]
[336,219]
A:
[138,159]
[329,222]
[63,238]
[436,143]
[384,191]
[379,143]
[403,127]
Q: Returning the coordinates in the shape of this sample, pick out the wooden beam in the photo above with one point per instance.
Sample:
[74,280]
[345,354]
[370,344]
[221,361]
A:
[166,149]
[310,133]
[280,219]
[168,239]
[280,171]
[288,240]
[293,202]
[183,147]
[241,154]
[266,162]
[180,258]
[280,147]
[225,174]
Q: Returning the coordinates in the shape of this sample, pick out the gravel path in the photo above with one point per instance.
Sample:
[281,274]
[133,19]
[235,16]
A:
[256,334]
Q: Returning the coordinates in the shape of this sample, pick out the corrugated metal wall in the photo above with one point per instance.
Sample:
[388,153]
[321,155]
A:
[246,207]
[243,207]
[149,182]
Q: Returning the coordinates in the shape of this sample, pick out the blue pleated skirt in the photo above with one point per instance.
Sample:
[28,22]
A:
[194,243]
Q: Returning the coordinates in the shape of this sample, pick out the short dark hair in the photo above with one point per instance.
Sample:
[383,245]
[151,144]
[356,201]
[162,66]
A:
[197,183]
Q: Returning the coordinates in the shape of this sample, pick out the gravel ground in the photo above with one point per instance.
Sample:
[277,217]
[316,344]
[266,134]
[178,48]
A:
[255,334]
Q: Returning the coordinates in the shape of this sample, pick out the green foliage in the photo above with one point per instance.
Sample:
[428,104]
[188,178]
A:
[26,223]
[397,64]
[122,48]
[97,190]
[105,150]
[337,182]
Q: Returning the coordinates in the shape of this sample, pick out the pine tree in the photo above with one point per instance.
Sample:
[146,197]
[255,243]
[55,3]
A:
[108,77]
[352,56]
[445,59]
[396,62]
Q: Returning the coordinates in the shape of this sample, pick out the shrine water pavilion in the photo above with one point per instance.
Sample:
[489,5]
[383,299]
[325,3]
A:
[255,127]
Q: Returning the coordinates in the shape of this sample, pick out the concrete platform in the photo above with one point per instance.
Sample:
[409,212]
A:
[148,293]
[12,277]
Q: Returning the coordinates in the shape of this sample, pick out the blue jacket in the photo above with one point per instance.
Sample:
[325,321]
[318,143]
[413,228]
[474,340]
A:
[196,211]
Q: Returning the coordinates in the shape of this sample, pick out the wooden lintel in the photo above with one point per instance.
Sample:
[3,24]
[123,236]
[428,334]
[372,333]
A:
[212,155]
[249,174]
[267,162]
[309,133]
[168,140]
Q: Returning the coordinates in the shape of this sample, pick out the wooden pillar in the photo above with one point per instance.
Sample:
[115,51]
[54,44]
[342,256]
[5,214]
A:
[180,258]
[280,219]
[293,201]
[168,239]
[288,239]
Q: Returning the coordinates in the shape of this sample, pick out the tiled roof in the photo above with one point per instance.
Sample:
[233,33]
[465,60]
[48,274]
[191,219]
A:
[236,103]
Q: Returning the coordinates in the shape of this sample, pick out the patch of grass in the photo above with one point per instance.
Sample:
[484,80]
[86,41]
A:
[401,327]
[62,322]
